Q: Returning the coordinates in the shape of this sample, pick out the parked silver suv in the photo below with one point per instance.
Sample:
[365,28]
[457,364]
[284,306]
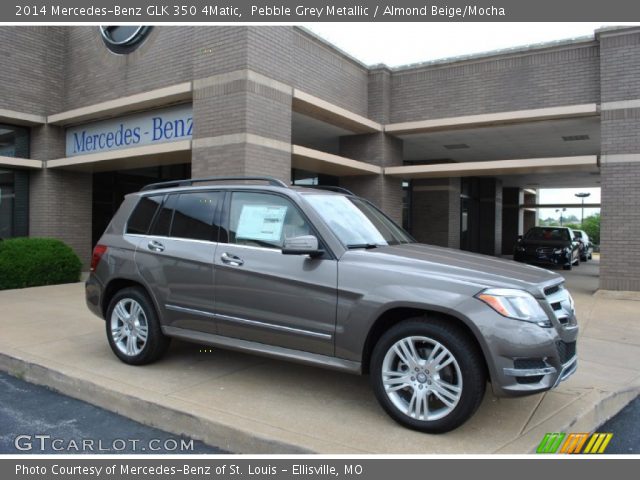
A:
[325,278]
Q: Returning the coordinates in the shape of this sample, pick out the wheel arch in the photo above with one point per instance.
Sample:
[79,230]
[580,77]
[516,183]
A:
[117,284]
[397,314]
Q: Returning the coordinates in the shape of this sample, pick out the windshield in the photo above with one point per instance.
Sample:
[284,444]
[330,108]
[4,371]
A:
[553,234]
[356,222]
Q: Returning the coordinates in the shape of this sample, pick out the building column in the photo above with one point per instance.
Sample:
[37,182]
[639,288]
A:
[490,228]
[620,158]
[435,211]
[60,201]
[242,115]
[376,148]
[512,218]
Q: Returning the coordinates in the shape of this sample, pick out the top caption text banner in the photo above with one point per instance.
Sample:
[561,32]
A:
[300,11]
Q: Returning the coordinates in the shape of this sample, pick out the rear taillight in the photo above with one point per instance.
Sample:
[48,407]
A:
[98,252]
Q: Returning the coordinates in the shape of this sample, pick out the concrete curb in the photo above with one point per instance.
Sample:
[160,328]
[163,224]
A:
[146,412]
[586,415]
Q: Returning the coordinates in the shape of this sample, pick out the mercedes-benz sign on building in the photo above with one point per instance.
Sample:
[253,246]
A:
[454,149]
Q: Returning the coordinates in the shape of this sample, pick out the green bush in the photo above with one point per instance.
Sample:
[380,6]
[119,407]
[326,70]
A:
[31,262]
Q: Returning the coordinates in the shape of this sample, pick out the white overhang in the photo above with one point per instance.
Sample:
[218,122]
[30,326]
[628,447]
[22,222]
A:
[140,101]
[13,162]
[326,163]
[467,121]
[137,157]
[328,112]
[497,167]
[20,118]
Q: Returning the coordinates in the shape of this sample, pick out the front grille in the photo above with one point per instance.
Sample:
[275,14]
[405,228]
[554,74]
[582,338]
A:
[546,251]
[566,351]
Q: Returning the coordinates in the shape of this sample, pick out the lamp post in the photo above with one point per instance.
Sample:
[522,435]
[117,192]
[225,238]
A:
[582,196]
[563,210]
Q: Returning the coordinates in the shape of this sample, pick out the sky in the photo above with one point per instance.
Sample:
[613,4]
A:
[567,195]
[396,44]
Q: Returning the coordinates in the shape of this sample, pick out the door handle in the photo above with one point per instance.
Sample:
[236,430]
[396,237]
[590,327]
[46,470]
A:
[232,260]
[155,246]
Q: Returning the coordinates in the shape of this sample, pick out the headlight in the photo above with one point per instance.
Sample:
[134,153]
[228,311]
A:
[516,304]
[558,251]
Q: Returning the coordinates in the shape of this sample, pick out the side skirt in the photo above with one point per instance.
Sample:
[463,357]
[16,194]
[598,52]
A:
[271,351]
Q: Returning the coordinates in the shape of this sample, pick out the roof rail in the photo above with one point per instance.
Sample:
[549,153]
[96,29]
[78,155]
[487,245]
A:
[330,188]
[274,182]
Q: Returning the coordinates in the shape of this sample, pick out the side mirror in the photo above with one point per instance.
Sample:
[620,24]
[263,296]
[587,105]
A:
[302,245]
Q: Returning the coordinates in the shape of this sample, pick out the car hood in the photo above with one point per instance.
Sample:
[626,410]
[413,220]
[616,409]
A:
[471,268]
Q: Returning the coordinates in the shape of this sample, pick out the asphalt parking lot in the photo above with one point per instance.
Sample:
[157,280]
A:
[36,420]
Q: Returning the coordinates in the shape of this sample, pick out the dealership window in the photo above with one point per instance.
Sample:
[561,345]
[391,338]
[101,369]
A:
[14,141]
[14,203]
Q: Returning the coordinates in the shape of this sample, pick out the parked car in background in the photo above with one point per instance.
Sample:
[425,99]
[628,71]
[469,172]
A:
[586,245]
[325,278]
[555,246]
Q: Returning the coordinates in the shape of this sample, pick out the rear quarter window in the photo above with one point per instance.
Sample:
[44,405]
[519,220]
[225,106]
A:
[142,215]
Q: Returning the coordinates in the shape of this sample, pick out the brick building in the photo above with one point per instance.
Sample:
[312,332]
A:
[454,149]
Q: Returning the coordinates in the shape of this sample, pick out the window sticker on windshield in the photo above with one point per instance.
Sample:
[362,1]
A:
[261,222]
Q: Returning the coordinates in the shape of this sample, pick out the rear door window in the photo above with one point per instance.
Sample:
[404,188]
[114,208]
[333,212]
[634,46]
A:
[194,216]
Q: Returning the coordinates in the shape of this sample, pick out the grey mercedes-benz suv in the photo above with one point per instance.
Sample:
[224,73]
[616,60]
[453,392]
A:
[325,278]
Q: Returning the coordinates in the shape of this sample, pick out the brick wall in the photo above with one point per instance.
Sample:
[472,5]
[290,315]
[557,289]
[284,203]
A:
[518,81]
[435,211]
[378,149]
[620,162]
[31,75]
[325,73]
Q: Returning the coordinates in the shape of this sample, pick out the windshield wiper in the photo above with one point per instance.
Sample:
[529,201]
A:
[368,246]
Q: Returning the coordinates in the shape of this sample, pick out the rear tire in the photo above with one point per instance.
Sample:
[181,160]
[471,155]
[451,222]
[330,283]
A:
[567,267]
[428,375]
[133,329]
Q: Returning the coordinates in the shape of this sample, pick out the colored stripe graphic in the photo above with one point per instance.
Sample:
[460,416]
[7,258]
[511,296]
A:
[598,442]
[550,443]
[574,443]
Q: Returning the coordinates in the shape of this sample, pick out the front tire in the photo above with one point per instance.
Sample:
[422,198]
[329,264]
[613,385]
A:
[428,375]
[133,329]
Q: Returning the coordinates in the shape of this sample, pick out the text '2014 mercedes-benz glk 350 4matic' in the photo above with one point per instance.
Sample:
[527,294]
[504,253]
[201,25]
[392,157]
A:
[323,277]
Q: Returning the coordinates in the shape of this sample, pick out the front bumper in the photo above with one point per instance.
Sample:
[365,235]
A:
[524,358]
[539,378]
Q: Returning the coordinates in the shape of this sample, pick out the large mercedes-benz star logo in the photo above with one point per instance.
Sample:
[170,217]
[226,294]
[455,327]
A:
[123,38]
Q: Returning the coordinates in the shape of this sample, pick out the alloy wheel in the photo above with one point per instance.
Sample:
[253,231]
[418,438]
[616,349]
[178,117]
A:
[422,378]
[129,327]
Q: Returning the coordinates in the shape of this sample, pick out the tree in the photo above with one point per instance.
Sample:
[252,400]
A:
[591,225]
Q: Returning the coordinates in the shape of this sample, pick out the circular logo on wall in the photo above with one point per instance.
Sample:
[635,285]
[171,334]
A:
[124,38]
